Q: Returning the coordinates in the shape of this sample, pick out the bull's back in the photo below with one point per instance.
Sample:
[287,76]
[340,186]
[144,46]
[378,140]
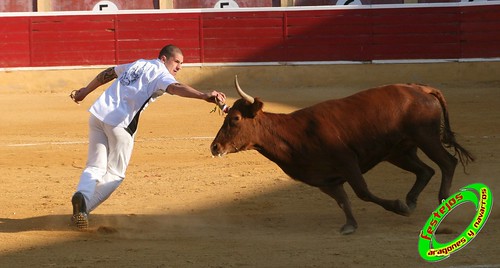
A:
[393,95]
[371,122]
[390,103]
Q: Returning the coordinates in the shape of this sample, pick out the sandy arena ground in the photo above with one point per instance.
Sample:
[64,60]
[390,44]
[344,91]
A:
[179,207]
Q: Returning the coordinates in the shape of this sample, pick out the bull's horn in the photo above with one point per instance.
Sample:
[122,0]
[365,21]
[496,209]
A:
[244,95]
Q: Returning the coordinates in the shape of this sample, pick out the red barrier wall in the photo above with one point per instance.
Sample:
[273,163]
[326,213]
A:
[15,42]
[364,34]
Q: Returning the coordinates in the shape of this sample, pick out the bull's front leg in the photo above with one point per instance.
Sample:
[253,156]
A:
[358,184]
[338,193]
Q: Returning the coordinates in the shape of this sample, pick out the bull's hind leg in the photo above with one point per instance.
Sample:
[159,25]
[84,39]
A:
[428,139]
[409,161]
[446,162]
[337,192]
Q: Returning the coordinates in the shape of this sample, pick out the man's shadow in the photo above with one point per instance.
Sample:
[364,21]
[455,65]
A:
[53,223]
[41,223]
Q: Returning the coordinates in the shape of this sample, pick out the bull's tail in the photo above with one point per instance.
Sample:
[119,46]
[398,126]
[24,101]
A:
[447,135]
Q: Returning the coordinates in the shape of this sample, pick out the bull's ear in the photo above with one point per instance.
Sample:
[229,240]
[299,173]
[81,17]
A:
[256,107]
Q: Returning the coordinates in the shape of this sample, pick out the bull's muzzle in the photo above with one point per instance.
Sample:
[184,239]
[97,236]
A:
[216,149]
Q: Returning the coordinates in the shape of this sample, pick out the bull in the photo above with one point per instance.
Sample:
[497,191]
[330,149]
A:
[337,141]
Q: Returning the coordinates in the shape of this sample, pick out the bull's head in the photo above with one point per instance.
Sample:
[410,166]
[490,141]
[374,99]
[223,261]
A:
[238,132]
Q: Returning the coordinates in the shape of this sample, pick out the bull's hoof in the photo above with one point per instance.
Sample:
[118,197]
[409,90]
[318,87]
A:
[402,209]
[347,229]
[411,206]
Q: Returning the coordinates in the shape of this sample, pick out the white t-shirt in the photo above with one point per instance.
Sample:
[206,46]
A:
[138,83]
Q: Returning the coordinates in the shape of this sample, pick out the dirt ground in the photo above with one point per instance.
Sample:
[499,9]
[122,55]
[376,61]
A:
[180,207]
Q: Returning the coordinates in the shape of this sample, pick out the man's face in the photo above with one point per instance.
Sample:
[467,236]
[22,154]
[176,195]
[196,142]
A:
[174,63]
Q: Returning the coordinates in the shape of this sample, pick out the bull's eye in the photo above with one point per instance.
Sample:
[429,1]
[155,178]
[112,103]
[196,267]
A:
[234,120]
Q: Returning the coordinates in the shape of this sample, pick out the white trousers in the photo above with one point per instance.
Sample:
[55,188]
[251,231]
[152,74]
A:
[110,149]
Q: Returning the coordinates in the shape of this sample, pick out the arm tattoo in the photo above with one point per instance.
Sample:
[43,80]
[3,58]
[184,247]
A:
[106,75]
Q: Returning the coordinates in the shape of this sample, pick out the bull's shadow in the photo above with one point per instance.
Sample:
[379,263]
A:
[293,209]
[273,211]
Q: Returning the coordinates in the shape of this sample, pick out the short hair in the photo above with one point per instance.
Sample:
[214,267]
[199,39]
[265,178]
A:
[169,51]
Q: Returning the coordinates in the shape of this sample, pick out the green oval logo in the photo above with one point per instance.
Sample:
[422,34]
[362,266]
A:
[478,194]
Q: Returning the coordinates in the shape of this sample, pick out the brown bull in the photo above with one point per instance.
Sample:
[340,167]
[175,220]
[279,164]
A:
[337,141]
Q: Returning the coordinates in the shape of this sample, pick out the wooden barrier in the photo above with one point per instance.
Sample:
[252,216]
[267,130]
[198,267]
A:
[445,32]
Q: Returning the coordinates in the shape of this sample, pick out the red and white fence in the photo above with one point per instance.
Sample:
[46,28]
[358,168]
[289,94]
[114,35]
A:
[259,35]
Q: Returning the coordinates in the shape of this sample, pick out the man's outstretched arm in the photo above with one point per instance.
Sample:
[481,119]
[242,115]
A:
[101,79]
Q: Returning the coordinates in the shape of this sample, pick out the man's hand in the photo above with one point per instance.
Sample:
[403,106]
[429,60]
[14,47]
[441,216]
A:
[78,95]
[216,97]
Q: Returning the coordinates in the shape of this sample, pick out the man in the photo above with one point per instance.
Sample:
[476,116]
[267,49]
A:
[114,119]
